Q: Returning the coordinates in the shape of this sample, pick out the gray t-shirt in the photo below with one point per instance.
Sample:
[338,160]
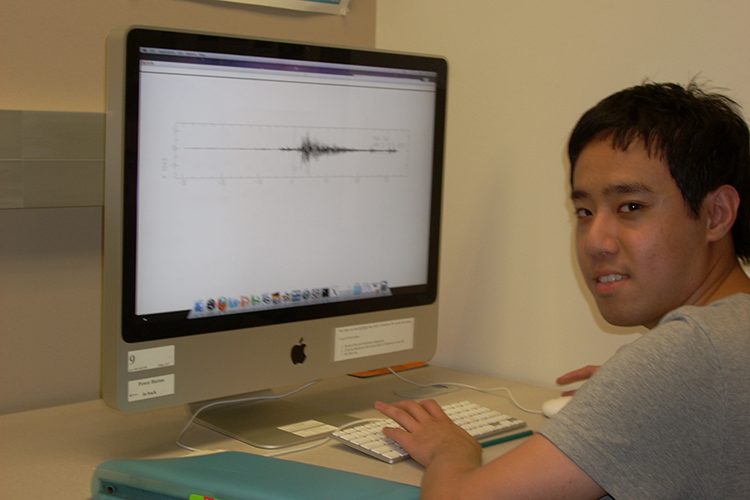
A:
[668,417]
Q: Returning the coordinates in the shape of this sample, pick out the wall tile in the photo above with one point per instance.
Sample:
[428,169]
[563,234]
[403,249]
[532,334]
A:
[60,135]
[11,184]
[51,159]
[10,134]
[63,183]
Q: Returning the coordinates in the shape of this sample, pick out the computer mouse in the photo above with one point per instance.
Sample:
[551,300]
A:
[552,406]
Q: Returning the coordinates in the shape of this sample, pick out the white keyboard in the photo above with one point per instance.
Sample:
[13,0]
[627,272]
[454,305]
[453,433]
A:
[477,420]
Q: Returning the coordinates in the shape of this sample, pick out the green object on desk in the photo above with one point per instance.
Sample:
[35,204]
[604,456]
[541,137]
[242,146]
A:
[505,439]
[233,475]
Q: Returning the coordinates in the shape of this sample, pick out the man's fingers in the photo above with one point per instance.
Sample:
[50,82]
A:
[411,414]
[577,375]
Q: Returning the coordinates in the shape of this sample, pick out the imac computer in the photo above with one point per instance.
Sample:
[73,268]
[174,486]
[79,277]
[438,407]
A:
[272,217]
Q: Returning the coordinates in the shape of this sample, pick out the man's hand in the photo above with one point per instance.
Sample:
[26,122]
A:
[429,432]
[576,376]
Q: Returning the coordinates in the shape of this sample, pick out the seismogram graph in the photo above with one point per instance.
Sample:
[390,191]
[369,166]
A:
[209,151]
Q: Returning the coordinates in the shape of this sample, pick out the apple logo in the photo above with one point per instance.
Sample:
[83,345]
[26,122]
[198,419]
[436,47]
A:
[298,352]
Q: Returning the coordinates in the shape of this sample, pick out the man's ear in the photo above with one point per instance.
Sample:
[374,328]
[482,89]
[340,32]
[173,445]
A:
[721,206]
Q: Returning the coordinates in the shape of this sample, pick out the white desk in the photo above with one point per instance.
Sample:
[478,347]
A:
[51,453]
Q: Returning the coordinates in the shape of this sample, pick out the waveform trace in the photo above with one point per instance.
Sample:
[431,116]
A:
[310,149]
[210,151]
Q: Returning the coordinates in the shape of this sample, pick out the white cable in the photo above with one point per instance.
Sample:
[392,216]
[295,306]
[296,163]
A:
[232,401]
[315,444]
[455,384]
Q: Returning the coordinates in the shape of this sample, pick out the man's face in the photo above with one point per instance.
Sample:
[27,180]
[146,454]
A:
[640,251]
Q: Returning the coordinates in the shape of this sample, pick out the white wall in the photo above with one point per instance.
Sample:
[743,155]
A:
[521,73]
[52,51]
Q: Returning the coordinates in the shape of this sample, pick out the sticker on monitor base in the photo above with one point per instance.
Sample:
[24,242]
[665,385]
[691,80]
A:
[152,387]
[359,341]
[308,428]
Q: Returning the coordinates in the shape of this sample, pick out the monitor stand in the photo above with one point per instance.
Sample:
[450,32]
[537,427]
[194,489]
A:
[270,424]
[422,392]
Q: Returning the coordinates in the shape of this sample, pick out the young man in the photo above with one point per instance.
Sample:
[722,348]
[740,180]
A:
[660,178]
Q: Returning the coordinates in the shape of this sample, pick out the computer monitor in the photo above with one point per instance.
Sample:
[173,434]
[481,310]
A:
[271,216]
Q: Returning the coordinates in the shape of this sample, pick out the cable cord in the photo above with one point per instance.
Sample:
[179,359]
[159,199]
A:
[314,444]
[232,401]
[471,387]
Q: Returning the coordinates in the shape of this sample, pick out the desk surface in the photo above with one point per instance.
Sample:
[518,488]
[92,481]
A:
[52,453]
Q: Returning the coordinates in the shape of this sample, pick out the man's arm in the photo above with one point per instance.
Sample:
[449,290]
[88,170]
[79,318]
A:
[452,460]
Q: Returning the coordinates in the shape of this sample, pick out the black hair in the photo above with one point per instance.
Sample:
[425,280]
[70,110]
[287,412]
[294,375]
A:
[700,135]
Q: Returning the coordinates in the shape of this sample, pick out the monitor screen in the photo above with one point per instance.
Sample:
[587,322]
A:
[272,214]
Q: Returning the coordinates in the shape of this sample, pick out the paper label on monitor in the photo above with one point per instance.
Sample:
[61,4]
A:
[359,341]
[152,387]
[148,359]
